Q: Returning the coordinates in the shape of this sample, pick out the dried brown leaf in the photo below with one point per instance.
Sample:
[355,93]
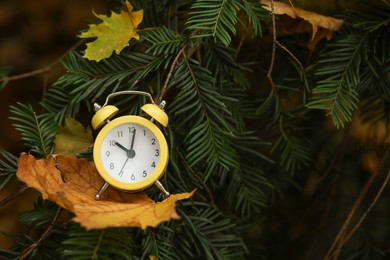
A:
[72,183]
[298,21]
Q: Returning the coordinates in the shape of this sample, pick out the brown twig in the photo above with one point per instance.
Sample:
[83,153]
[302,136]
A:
[374,201]
[291,54]
[42,70]
[339,241]
[173,65]
[13,196]
[271,65]
[197,176]
[242,40]
[45,235]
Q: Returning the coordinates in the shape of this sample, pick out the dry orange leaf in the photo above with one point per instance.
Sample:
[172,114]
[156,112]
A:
[72,183]
[320,26]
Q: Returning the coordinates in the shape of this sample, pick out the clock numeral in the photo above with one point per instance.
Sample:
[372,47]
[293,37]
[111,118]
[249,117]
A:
[157,153]
[120,133]
[144,174]
[112,142]
[131,129]
[112,166]
[144,132]
[153,141]
[108,154]
[132,177]
[153,165]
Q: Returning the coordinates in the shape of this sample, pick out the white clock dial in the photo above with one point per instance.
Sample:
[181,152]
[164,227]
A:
[130,152]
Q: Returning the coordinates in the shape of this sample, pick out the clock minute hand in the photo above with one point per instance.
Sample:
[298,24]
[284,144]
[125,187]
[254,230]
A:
[132,140]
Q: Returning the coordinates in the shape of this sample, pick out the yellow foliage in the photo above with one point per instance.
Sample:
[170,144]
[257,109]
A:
[113,33]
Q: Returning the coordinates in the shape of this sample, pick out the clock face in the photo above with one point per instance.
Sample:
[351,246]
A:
[130,153]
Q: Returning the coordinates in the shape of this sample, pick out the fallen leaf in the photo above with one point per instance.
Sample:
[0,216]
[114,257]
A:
[72,183]
[113,33]
[320,26]
[73,138]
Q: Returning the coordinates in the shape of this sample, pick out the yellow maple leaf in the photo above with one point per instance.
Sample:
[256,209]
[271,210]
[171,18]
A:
[72,183]
[73,138]
[113,33]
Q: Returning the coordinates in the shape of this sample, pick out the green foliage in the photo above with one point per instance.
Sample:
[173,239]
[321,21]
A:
[98,244]
[8,165]
[337,94]
[38,132]
[163,41]
[255,14]
[41,215]
[199,102]
[216,18]
[353,65]
[88,80]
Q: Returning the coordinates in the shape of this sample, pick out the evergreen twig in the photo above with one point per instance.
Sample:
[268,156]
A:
[43,237]
[10,198]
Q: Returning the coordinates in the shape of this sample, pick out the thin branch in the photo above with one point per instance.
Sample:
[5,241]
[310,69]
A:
[338,242]
[271,65]
[42,70]
[44,236]
[173,65]
[242,40]
[291,54]
[13,196]
[374,201]
[198,177]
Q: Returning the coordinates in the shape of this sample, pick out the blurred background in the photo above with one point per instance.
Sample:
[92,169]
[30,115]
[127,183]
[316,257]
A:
[33,35]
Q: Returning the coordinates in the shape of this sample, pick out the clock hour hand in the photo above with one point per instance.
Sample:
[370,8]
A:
[121,146]
[130,153]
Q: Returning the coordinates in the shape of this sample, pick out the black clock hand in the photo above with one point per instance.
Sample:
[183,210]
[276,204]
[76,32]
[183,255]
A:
[121,171]
[121,146]
[132,140]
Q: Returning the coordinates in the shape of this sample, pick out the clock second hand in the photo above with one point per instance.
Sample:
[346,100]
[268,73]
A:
[121,171]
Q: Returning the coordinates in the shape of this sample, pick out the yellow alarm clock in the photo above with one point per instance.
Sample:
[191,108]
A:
[130,152]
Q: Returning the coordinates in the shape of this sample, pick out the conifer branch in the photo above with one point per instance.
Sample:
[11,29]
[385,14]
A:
[44,236]
[273,51]
[13,196]
[171,69]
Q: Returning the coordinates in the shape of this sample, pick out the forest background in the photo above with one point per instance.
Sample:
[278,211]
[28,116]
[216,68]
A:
[329,199]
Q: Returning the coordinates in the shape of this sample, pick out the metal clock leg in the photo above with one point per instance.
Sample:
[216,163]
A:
[102,189]
[162,189]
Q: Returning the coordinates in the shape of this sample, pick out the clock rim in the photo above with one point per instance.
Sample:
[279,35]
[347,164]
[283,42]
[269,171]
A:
[157,172]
